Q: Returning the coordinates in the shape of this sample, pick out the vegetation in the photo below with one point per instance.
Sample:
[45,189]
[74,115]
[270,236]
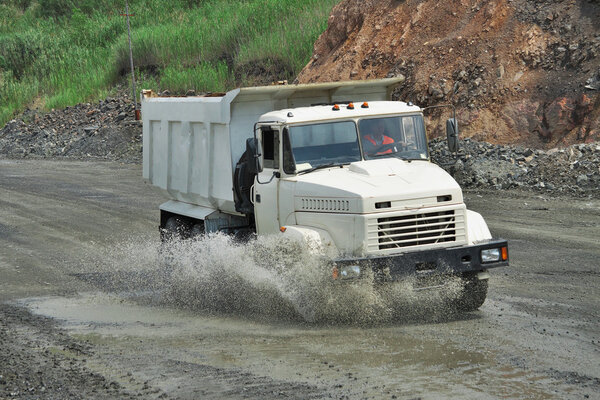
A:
[56,53]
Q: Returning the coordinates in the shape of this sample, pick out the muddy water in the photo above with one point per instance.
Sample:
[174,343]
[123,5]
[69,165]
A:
[272,310]
[270,278]
[373,362]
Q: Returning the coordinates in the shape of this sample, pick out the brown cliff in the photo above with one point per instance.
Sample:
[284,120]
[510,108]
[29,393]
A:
[520,71]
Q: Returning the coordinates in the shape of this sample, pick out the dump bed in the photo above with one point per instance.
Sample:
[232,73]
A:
[191,144]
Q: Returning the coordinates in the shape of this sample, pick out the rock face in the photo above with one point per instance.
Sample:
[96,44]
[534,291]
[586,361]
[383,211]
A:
[519,71]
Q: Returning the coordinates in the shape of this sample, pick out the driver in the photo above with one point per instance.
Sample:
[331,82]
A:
[375,138]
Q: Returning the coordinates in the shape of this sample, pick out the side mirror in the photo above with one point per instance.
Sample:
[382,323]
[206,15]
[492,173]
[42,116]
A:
[254,165]
[452,134]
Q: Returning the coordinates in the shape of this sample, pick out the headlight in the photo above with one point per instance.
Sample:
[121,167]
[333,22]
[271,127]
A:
[346,272]
[490,255]
[350,271]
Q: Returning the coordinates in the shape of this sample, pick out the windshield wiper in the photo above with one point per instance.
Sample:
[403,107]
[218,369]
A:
[391,155]
[329,165]
[394,155]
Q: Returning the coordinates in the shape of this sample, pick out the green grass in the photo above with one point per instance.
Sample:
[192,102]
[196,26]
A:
[61,52]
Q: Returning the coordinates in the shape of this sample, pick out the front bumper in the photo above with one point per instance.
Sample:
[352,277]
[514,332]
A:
[426,263]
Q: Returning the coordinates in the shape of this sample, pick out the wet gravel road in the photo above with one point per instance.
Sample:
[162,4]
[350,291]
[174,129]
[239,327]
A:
[67,332]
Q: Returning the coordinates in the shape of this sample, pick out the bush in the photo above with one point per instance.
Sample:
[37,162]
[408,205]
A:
[54,8]
[204,77]
[18,52]
[79,50]
[20,4]
[90,7]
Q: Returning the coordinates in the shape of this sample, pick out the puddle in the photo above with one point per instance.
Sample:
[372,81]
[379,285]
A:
[363,361]
[251,310]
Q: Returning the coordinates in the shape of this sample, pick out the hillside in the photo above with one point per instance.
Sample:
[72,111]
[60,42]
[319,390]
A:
[521,71]
[57,53]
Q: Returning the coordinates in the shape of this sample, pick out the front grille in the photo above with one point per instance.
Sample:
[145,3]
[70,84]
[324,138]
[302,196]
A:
[401,231]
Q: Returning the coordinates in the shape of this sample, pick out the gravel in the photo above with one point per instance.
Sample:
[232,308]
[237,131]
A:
[574,170]
[102,131]
[39,360]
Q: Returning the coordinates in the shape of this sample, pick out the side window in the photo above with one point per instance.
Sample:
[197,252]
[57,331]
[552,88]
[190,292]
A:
[270,145]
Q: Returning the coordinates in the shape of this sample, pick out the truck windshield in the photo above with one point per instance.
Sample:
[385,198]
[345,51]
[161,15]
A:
[324,144]
[400,136]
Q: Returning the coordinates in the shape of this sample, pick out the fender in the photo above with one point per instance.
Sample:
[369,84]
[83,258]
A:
[477,229]
[315,239]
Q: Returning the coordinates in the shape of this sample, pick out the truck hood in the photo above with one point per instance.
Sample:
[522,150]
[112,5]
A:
[404,184]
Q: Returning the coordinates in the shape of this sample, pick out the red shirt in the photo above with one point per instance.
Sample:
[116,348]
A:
[386,140]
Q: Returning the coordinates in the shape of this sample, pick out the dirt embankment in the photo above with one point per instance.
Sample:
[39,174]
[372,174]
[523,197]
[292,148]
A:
[521,71]
[105,130]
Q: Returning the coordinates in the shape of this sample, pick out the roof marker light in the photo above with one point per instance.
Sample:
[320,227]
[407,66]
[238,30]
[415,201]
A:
[290,114]
[335,107]
[365,105]
[350,106]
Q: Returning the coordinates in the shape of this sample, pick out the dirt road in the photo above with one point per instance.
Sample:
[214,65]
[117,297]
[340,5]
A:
[87,313]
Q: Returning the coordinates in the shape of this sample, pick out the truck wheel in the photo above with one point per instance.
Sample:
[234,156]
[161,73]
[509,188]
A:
[176,228]
[243,236]
[197,230]
[473,295]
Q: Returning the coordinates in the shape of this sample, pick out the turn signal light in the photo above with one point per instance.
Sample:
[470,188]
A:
[365,105]
[335,107]
[504,252]
[335,273]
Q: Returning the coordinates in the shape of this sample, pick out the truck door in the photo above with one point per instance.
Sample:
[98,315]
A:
[266,201]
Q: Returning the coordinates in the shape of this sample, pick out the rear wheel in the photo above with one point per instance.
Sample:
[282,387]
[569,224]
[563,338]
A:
[197,230]
[176,228]
[244,235]
[473,294]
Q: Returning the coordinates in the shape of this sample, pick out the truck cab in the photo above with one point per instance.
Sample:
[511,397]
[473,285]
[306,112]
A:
[325,162]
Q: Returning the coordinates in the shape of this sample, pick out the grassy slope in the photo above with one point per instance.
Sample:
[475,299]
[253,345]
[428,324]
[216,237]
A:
[57,55]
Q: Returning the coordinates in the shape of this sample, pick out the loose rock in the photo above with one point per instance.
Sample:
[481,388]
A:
[574,170]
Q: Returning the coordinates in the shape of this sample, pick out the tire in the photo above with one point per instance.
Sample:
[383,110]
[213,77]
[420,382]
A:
[176,228]
[243,236]
[197,230]
[473,295]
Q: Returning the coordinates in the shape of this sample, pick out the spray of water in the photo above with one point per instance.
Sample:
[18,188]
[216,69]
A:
[270,277]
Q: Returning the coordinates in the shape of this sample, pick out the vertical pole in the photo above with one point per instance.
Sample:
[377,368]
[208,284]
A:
[137,113]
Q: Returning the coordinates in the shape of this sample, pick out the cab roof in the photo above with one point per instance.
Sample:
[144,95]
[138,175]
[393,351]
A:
[315,113]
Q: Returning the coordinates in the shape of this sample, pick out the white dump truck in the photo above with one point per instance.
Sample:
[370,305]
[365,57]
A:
[337,166]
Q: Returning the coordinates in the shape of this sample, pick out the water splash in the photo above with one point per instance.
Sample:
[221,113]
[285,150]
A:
[268,277]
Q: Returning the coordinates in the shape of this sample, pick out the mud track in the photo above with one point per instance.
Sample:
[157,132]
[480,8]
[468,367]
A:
[65,333]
